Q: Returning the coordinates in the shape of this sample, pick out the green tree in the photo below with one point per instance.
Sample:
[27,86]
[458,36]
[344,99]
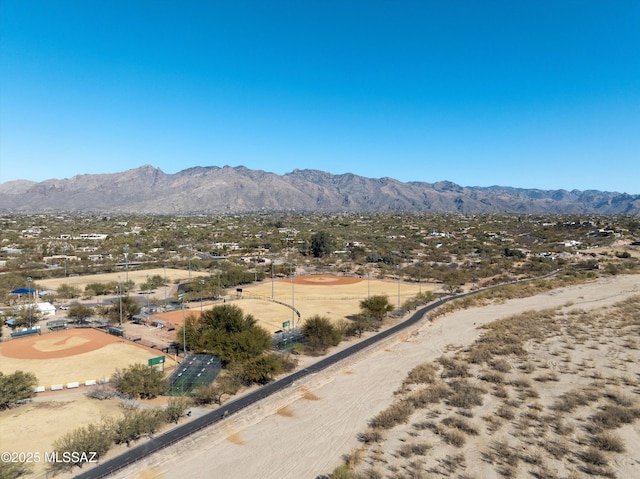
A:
[130,308]
[92,438]
[321,244]
[319,334]
[16,387]
[80,312]
[377,306]
[359,324]
[176,408]
[67,291]
[136,423]
[27,315]
[227,333]
[99,289]
[140,381]
[260,369]
[227,384]
[15,470]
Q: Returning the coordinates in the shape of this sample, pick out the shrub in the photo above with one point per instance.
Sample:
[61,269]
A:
[140,381]
[16,387]
[501,365]
[176,408]
[593,456]
[491,377]
[414,449]
[370,435]
[424,373]
[453,437]
[453,368]
[136,423]
[612,416]
[395,414]
[320,334]
[429,395]
[260,370]
[96,438]
[607,442]
[465,395]
[341,472]
[460,424]
[213,393]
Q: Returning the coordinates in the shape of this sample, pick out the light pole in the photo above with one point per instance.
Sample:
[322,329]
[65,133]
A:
[398,275]
[218,285]
[29,296]
[293,303]
[395,272]
[126,263]
[165,288]
[272,295]
[148,308]
[368,285]
[120,296]
[184,331]
[201,285]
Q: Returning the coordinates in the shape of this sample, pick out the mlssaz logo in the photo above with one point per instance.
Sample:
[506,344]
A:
[71,457]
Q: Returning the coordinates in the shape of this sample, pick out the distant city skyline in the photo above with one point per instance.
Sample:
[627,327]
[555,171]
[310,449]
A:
[528,94]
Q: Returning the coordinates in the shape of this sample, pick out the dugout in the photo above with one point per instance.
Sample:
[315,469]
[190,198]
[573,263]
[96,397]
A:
[115,331]
[57,324]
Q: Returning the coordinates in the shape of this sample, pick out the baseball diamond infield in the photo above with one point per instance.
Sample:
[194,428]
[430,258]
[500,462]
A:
[73,355]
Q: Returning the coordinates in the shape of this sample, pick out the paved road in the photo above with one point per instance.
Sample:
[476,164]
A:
[181,432]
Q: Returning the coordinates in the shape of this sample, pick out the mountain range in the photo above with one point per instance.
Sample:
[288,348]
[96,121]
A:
[213,189]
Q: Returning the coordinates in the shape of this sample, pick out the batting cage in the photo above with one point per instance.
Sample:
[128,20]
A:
[196,370]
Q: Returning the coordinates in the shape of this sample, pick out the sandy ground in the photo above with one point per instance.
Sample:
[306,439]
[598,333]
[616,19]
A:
[59,358]
[335,297]
[332,296]
[305,430]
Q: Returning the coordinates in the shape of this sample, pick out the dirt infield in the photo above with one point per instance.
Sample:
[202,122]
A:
[73,355]
[60,344]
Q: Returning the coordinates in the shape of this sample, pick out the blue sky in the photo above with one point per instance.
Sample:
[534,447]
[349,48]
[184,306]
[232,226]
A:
[540,94]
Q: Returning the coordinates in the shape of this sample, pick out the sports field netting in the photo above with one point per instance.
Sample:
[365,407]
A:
[196,370]
[287,340]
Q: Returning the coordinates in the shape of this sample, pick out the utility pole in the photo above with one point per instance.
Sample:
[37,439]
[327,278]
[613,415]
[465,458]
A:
[368,285]
[165,288]
[29,296]
[293,303]
[126,263]
[184,332]
[120,296]
[201,285]
[148,307]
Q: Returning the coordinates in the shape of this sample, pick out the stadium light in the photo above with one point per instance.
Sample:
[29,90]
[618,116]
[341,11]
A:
[201,285]
[184,328]
[148,308]
[126,263]
[29,296]
[293,303]
[120,296]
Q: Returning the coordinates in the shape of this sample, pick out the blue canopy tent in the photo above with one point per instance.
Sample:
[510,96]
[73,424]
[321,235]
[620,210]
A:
[23,291]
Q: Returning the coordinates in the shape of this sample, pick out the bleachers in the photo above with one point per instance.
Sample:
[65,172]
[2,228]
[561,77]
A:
[26,332]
